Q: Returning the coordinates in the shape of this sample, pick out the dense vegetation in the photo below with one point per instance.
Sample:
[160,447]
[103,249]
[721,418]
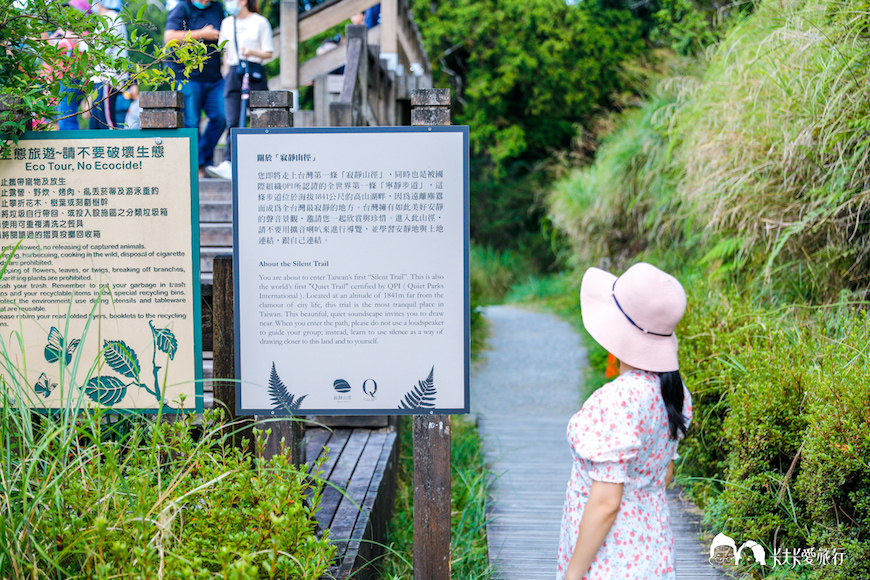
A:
[86,497]
[524,75]
[745,172]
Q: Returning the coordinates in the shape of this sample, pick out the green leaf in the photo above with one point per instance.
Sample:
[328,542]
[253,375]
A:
[165,340]
[105,390]
[121,358]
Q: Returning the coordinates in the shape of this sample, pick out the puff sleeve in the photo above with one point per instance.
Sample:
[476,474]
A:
[607,434]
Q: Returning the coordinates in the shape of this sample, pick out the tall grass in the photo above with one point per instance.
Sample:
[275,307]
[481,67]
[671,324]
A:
[758,166]
[494,272]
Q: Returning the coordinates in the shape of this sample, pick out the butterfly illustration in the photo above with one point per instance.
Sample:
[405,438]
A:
[43,387]
[57,345]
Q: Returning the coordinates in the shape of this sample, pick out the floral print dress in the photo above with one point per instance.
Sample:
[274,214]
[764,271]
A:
[621,435]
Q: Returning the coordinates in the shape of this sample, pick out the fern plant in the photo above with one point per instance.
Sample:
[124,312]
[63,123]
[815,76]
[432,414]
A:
[422,396]
[281,397]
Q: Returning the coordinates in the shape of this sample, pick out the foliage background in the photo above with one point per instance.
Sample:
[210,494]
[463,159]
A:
[744,172]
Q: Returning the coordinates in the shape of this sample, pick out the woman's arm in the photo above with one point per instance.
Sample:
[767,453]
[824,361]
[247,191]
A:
[261,54]
[669,475]
[207,32]
[600,512]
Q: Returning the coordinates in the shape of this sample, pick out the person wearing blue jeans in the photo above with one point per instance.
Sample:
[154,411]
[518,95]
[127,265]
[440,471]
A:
[205,97]
[203,89]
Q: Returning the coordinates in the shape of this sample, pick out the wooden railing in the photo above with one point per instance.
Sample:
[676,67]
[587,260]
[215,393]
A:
[382,64]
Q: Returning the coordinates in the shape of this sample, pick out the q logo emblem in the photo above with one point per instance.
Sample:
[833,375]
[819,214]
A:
[370,387]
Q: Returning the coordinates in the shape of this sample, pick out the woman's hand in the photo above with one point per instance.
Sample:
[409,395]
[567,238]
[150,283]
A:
[600,512]
[248,52]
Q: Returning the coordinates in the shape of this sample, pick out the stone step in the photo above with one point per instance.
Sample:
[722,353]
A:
[215,189]
[216,235]
[216,211]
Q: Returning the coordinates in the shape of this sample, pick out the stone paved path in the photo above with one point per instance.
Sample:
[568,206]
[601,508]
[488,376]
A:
[524,390]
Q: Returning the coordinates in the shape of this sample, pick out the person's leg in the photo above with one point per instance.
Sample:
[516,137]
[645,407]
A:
[98,112]
[213,105]
[68,106]
[192,103]
[104,108]
[232,104]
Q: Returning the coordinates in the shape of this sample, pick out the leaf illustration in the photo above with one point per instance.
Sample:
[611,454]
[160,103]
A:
[165,340]
[281,397]
[43,387]
[105,390]
[121,358]
[422,396]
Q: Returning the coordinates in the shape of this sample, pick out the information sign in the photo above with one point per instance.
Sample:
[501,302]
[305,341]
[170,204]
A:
[103,289]
[351,270]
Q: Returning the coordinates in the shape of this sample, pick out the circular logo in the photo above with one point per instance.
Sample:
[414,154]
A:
[341,385]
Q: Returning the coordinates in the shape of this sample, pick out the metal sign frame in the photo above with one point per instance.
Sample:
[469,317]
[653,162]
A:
[243,254]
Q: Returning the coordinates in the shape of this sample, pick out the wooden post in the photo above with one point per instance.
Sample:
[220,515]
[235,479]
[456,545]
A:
[289,44]
[224,339]
[431,432]
[390,33]
[161,110]
[271,110]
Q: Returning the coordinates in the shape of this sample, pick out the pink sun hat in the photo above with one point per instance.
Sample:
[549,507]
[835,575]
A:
[634,316]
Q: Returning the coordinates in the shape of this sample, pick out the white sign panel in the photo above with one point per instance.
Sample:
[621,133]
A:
[351,270]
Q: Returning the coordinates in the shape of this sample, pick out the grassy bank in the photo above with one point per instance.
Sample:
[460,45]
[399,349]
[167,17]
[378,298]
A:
[752,162]
[747,176]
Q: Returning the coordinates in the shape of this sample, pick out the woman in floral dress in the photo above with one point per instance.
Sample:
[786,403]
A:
[616,524]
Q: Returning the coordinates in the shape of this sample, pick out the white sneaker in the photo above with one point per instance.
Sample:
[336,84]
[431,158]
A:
[222,171]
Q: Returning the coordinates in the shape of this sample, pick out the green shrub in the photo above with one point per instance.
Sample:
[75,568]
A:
[835,458]
[135,499]
[779,449]
[494,272]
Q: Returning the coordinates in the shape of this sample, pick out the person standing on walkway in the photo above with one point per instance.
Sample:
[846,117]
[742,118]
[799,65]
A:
[204,89]
[248,39]
[616,523]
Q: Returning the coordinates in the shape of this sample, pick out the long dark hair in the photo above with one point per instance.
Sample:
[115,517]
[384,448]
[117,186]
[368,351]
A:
[672,393]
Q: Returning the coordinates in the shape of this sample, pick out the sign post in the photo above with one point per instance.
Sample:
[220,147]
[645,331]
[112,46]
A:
[431,432]
[351,285]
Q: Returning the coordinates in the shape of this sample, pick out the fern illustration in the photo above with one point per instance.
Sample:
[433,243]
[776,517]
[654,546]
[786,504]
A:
[422,396]
[281,397]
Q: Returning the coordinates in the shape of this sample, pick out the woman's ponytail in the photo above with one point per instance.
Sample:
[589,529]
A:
[672,393]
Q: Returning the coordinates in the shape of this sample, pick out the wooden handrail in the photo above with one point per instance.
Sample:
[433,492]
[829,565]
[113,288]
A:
[332,12]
